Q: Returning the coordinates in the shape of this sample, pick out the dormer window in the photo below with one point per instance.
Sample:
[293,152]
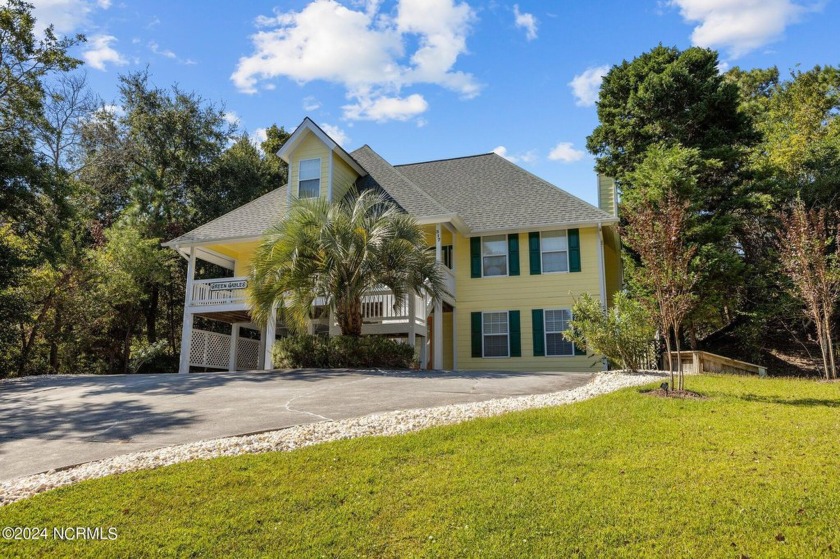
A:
[309,178]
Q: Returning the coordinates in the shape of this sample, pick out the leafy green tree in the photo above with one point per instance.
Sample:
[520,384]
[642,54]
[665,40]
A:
[241,174]
[678,99]
[623,333]
[340,251]
[275,137]
[125,266]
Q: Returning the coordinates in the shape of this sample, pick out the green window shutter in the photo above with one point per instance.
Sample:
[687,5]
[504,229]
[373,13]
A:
[539,332]
[534,252]
[475,257]
[515,334]
[574,250]
[513,254]
[476,334]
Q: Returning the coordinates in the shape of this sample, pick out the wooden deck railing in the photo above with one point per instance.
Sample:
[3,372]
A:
[705,362]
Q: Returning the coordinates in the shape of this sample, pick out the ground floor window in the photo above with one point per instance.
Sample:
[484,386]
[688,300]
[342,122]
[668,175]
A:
[495,334]
[556,322]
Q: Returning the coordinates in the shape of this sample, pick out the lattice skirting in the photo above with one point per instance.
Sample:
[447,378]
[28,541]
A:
[212,350]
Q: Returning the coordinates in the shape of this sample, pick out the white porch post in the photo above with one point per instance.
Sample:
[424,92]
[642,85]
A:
[261,350]
[234,346]
[437,358]
[270,333]
[412,327]
[187,327]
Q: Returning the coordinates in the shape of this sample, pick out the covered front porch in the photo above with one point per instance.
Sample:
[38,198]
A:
[420,322]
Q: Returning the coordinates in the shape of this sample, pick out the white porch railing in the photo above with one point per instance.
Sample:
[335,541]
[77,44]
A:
[449,277]
[378,306]
[222,291]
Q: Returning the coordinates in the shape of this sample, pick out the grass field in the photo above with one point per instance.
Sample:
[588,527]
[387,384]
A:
[751,471]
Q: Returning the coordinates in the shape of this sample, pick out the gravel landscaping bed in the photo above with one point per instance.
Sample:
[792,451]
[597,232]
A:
[388,423]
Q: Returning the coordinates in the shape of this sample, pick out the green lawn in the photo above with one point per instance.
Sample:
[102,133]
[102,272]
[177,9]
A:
[752,471]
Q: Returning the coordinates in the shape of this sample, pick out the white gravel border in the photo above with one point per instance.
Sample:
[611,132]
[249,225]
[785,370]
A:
[387,423]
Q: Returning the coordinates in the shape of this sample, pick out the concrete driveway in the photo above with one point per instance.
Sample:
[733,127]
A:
[51,422]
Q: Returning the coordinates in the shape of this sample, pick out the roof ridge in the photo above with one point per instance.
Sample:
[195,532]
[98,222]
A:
[409,181]
[444,159]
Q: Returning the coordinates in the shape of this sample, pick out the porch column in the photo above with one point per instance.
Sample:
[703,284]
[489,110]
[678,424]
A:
[454,339]
[270,332]
[437,358]
[234,346]
[334,329]
[187,326]
[412,327]
[261,350]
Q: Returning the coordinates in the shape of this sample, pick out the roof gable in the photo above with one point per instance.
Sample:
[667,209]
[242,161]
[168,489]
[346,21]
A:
[405,193]
[309,127]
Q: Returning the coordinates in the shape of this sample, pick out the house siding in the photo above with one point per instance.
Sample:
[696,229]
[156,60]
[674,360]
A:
[344,177]
[523,293]
[310,148]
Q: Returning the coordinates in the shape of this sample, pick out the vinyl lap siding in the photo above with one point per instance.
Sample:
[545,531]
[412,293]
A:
[310,148]
[344,177]
[523,293]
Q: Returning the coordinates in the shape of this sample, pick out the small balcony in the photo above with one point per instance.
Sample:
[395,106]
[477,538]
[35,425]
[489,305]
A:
[221,293]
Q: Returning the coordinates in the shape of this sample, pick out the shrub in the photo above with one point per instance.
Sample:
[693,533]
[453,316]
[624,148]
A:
[623,333]
[317,352]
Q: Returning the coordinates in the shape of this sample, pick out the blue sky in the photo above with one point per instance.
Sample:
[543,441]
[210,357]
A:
[430,79]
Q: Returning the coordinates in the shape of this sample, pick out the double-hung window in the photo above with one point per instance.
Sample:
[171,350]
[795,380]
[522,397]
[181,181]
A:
[554,248]
[309,178]
[556,321]
[495,334]
[494,256]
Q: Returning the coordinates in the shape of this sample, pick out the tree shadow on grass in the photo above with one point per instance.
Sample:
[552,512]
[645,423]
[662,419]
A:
[801,402]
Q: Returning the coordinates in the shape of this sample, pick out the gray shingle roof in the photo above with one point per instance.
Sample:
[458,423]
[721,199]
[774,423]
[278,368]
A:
[250,220]
[490,193]
[408,195]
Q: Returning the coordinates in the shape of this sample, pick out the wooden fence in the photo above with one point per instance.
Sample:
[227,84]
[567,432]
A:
[705,362]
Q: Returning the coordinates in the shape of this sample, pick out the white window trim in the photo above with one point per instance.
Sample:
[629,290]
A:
[507,314]
[300,163]
[507,257]
[542,267]
[546,332]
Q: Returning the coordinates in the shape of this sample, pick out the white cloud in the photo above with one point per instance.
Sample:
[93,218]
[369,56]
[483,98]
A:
[585,86]
[232,118]
[373,54]
[566,153]
[526,21]
[99,52]
[65,15]
[527,157]
[382,108]
[739,26]
[310,103]
[166,53]
[336,133]
[258,136]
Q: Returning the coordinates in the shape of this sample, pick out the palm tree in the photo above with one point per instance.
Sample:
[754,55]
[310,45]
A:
[340,251]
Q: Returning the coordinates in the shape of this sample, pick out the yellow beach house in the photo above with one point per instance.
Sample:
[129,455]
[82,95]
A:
[516,252]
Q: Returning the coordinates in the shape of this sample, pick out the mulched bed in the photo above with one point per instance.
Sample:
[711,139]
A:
[682,394]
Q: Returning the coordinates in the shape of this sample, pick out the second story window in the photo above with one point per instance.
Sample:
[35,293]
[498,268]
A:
[555,251]
[309,178]
[494,256]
